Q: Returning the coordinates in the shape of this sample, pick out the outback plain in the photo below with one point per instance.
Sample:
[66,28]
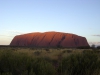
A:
[49,61]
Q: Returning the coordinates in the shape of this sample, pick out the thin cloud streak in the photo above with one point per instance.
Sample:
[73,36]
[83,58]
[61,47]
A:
[15,31]
[12,31]
[95,43]
[6,35]
[9,33]
[96,35]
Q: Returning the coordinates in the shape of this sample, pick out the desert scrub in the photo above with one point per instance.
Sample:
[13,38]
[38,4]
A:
[47,49]
[37,53]
[12,63]
[80,64]
[52,62]
[43,67]
[69,51]
[6,73]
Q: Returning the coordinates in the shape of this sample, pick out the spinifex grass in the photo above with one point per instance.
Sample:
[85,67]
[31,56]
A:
[48,61]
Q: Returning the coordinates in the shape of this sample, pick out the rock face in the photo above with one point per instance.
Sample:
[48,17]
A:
[49,39]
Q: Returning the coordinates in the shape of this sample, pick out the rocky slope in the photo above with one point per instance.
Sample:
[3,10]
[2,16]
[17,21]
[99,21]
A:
[49,39]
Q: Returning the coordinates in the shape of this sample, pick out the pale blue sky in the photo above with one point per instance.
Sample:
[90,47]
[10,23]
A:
[81,17]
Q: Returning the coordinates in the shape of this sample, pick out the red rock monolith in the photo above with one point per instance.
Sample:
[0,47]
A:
[49,39]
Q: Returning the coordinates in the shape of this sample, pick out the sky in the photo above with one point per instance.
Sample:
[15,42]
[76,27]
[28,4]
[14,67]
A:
[81,17]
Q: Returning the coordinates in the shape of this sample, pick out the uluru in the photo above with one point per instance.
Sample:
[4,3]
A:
[49,39]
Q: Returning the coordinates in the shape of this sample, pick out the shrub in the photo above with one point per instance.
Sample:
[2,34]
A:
[6,73]
[69,51]
[64,51]
[98,47]
[93,46]
[83,47]
[22,64]
[14,63]
[37,53]
[43,67]
[47,49]
[80,64]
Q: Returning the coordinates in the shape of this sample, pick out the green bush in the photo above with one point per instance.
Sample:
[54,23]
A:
[83,47]
[43,67]
[80,64]
[6,73]
[47,49]
[37,53]
[98,47]
[21,64]
[14,63]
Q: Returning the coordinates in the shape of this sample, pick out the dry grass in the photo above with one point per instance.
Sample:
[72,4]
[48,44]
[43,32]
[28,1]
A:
[51,53]
[55,55]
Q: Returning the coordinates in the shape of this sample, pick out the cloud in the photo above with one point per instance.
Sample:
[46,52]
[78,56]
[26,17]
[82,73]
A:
[96,35]
[10,33]
[15,31]
[5,42]
[6,35]
[95,43]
